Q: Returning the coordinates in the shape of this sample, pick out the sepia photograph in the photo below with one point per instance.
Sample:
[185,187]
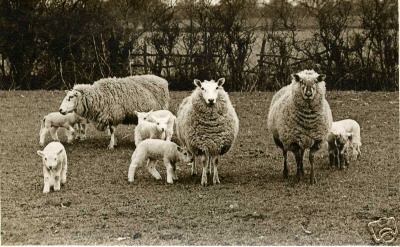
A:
[199,122]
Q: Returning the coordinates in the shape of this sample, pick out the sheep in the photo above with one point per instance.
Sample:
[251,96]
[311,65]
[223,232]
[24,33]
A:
[349,126]
[113,101]
[55,166]
[54,120]
[300,118]
[165,121]
[207,125]
[151,150]
[147,130]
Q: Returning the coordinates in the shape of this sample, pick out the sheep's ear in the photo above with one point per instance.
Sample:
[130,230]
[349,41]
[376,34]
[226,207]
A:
[66,91]
[179,148]
[136,113]
[40,153]
[296,77]
[321,77]
[221,81]
[197,82]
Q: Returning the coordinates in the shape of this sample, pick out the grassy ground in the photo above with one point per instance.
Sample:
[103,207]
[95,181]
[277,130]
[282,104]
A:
[253,205]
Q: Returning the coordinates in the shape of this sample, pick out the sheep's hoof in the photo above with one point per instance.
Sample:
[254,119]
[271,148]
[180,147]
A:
[313,180]
[111,147]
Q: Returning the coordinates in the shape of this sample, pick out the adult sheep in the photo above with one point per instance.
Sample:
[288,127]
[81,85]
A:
[113,101]
[207,125]
[300,118]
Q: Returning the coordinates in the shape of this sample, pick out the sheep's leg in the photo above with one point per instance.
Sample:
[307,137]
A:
[313,150]
[42,137]
[193,167]
[83,131]
[132,168]
[53,133]
[57,184]
[174,176]
[299,153]
[108,131]
[210,165]
[170,171]
[113,140]
[64,166]
[331,158]
[151,167]
[215,164]
[285,166]
[204,161]
[46,180]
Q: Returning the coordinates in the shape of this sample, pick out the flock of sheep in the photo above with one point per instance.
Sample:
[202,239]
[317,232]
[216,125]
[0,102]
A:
[206,125]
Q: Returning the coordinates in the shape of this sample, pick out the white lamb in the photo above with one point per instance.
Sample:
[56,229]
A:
[55,166]
[148,130]
[165,121]
[54,120]
[151,150]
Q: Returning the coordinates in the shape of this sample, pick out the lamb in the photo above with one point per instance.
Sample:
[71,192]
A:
[54,120]
[113,101]
[151,150]
[207,125]
[55,166]
[300,118]
[165,121]
[147,130]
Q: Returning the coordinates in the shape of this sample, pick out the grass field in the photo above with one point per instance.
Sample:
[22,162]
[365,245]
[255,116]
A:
[253,205]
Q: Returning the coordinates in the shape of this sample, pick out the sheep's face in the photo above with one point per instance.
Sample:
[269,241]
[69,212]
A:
[184,155]
[69,102]
[209,90]
[50,160]
[308,81]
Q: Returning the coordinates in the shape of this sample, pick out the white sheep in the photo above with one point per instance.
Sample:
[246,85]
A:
[55,120]
[300,118]
[151,150]
[352,129]
[55,166]
[113,101]
[207,125]
[147,130]
[165,121]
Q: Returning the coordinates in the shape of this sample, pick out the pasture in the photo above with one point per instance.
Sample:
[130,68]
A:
[253,205]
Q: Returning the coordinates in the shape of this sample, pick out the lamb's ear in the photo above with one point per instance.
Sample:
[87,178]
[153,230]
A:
[179,148]
[197,82]
[40,153]
[296,77]
[136,113]
[321,77]
[59,152]
[66,91]
[350,137]
[221,81]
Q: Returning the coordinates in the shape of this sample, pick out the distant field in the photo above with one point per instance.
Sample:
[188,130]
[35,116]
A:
[253,205]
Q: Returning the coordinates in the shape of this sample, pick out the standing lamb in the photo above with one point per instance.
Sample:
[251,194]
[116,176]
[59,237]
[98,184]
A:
[147,130]
[54,120]
[351,128]
[207,125]
[55,166]
[113,101]
[300,118]
[151,150]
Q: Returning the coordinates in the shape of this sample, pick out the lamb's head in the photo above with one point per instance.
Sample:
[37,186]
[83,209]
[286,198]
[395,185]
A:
[70,102]
[307,81]
[209,90]
[161,122]
[50,160]
[184,155]
[348,151]
[142,116]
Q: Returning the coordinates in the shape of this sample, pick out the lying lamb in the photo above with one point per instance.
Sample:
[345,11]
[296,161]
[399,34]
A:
[54,166]
[151,150]
[54,120]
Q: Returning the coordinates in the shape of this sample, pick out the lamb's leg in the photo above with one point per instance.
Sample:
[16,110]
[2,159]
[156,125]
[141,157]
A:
[170,171]
[210,165]
[299,153]
[151,167]
[204,161]
[108,131]
[174,176]
[337,158]
[53,133]
[83,131]
[193,167]
[314,148]
[132,168]
[331,158]
[46,180]
[70,134]
[64,165]
[42,137]
[113,141]
[285,166]
[57,184]
[215,164]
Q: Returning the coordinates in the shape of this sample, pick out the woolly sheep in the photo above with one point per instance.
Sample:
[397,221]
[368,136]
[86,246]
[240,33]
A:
[113,101]
[55,166]
[55,120]
[165,121]
[151,150]
[300,118]
[147,130]
[207,125]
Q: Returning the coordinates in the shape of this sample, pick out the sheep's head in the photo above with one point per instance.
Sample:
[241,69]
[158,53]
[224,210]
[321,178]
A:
[210,89]
[184,155]
[69,102]
[50,160]
[307,81]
